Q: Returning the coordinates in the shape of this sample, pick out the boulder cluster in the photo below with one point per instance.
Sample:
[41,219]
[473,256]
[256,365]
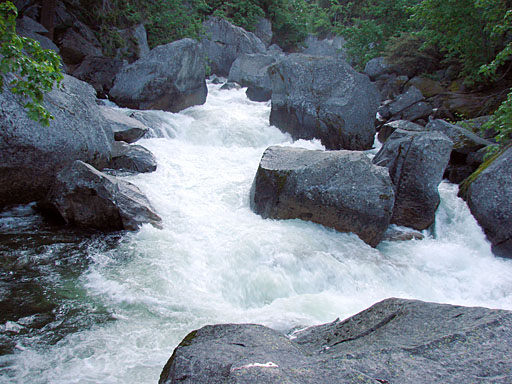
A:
[70,169]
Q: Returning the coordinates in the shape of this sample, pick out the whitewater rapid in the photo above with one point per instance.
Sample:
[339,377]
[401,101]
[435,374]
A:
[215,261]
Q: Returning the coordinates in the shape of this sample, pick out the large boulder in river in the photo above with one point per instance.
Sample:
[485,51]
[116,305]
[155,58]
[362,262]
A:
[87,198]
[416,163]
[394,341]
[224,42]
[323,98]
[251,70]
[489,196]
[170,77]
[339,189]
[31,154]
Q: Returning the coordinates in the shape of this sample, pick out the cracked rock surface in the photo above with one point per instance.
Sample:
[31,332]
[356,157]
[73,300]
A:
[394,341]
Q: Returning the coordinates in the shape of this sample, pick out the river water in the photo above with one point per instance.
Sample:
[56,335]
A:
[80,307]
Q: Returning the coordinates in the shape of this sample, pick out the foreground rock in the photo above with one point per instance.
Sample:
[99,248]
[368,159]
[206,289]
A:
[394,341]
[339,189]
[387,129]
[251,70]
[489,196]
[87,198]
[416,163]
[132,158]
[125,128]
[224,42]
[323,98]
[170,77]
[31,154]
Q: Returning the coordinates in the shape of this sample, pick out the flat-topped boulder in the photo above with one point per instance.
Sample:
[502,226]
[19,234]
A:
[488,193]
[416,163]
[323,98]
[87,198]
[339,189]
[394,341]
[170,77]
[223,42]
[31,154]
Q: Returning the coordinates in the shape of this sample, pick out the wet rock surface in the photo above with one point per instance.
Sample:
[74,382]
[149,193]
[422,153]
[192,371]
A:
[489,197]
[394,341]
[339,189]
[87,198]
[416,163]
[170,77]
[31,154]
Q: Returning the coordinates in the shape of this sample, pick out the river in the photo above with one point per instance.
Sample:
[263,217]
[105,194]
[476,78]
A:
[81,307]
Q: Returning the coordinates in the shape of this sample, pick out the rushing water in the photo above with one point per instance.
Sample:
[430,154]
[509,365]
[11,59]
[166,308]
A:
[87,308]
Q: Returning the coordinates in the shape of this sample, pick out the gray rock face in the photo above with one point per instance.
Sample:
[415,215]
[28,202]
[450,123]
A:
[412,96]
[87,198]
[464,141]
[135,43]
[125,128]
[264,30]
[171,78]
[99,72]
[394,341]
[416,163]
[27,27]
[324,47]
[339,189]
[324,98]
[31,154]
[377,67]
[132,158]
[489,198]
[387,129]
[251,70]
[224,42]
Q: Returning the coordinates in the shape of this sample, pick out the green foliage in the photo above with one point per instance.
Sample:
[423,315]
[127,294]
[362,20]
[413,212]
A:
[465,30]
[369,25]
[501,122]
[35,70]
[244,13]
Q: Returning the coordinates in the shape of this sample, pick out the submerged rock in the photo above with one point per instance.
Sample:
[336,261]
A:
[31,154]
[87,198]
[489,197]
[339,189]
[416,163]
[394,341]
[170,77]
[323,98]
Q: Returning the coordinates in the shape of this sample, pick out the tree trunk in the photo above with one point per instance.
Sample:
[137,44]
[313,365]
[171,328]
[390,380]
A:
[48,15]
